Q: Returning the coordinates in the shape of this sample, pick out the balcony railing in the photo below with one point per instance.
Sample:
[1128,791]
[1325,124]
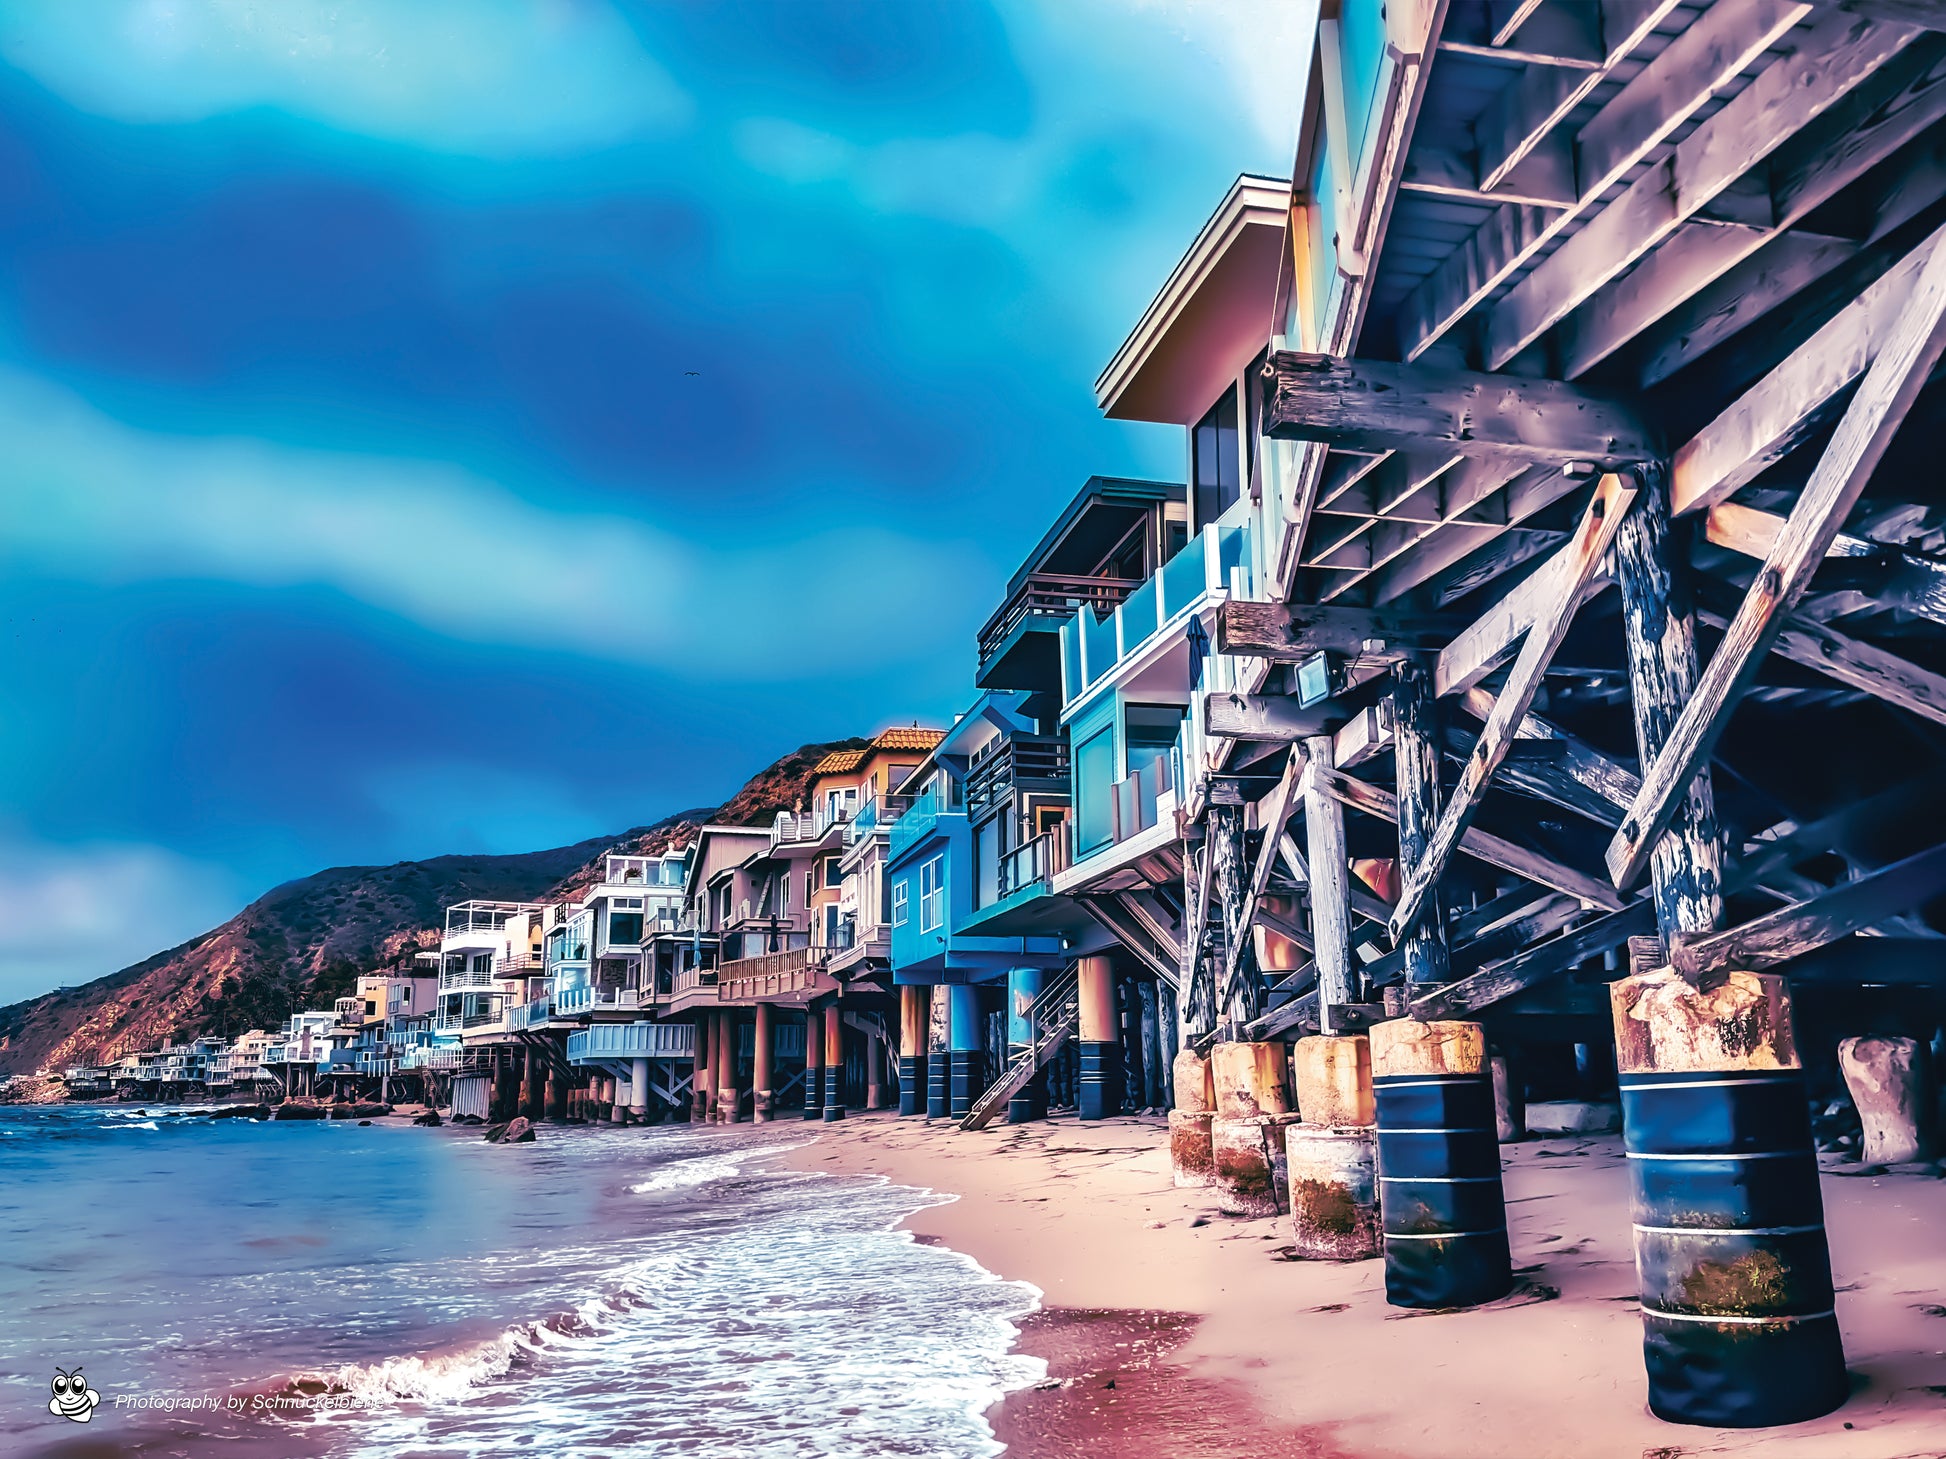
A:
[440,1056]
[1215,562]
[876,814]
[484,916]
[633,1041]
[463,978]
[573,1002]
[1055,597]
[773,975]
[1013,763]
[529,1015]
[1029,864]
[940,798]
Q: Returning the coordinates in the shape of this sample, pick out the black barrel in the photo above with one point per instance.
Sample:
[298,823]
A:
[912,1084]
[939,1084]
[1738,1329]
[1440,1204]
[1099,1087]
[834,1091]
[1030,1101]
[964,1081]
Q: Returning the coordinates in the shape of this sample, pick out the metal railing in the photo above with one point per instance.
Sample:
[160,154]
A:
[633,1041]
[1054,596]
[1029,864]
[1000,767]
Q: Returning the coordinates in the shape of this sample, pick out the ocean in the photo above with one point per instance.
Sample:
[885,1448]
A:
[324,1288]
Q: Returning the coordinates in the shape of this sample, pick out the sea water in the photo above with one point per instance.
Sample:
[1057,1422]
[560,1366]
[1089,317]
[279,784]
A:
[325,1288]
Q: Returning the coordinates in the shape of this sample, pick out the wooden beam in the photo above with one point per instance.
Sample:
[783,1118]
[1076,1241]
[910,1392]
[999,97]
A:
[1324,825]
[1764,424]
[1894,578]
[1275,719]
[1793,931]
[1584,552]
[1376,404]
[1375,800]
[1887,393]
[1496,634]
[1415,758]
[1536,966]
[1708,54]
[1926,14]
[1289,633]
[1842,52]
[1595,772]
[1850,662]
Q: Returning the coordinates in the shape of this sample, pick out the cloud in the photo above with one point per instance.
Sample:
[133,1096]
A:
[80,911]
[85,496]
[489,78]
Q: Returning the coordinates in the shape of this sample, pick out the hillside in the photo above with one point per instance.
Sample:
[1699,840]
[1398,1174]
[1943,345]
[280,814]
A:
[304,943]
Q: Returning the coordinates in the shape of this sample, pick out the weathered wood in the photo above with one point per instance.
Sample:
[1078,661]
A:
[1892,577]
[1790,932]
[1926,14]
[1275,814]
[1375,404]
[1659,637]
[1767,421]
[1532,968]
[1324,826]
[1415,756]
[1497,634]
[1540,775]
[1708,54]
[1584,552]
[1289,633]
[1842,52]
[1889,388]
[1195,985]
[1240,996]
[1377,801]
[1276,719]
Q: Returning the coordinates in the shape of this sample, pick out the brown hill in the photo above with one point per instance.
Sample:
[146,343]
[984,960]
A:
[302,944]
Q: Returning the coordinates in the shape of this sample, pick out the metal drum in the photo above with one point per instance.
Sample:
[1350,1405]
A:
[912,1084]
[1738,1326]
[1334,1192]
[964,1081]
[1100,1092]
[938,1084]
[1443,1215]
[834,1091]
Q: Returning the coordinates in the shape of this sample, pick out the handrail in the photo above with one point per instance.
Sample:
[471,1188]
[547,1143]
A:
[1054,595]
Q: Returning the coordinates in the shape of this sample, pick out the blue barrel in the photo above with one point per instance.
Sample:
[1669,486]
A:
[1440,1203]
[965,1080]
[939,1083]
[1099,1085]
[912,1084]
[1738,1327]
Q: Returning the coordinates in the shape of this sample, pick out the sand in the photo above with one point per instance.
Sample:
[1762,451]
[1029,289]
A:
[1305,1358]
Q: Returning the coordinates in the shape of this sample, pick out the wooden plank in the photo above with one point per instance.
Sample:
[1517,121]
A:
[1544,178]
[1850,662]
[1584,552]
[1586,766]
[1887,393]
[1691,258]
[1289,633]
[1666,93]
[1497,633]
[1895,578]
[1415,759]
[1842,52]
[1765,423]
[1537,966]
[1324,826]
[1275,719]
[1377,801]
[1376,404]
[1793,931]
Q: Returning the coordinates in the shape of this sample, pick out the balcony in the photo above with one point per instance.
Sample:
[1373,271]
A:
[1214,564]
[465,979]
[1019,645]
[584,1001]
[876,814]
[811,826]
[532,1014]
[1013,765]
[941,798]
[632,1041]
[463,918]
[796,976]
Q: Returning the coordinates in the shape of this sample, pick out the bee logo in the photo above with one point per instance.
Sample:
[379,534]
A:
[73,1398]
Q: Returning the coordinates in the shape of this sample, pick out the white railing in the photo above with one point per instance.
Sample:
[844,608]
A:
[529,1015]
[468,978]
[438,1056]
[633,1041]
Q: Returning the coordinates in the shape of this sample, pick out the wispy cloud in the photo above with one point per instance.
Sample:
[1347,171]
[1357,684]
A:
[484,77]
[80,911]
[84,495]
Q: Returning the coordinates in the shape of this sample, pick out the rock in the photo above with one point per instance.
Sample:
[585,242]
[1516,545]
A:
[431,1119]
[240,1112]
[297,1112]
[1887,1078]
[516,1131]
[467,1120]
[1573,1117]
[364,1122]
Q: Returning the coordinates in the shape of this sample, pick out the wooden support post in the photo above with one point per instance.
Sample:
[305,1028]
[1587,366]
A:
[1415,753]
[1581,557]
[1891,1086]
[1195,983]
[1869,422]
[699,1070]
[834,1062]
[1324,827]
[761,1074]
[1240,999]
[1659,633]
[813,1064]
[912,1049]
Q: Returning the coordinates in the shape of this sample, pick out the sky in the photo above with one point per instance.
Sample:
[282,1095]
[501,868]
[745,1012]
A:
[466,426]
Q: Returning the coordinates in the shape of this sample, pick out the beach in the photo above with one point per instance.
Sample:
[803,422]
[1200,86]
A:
[1232,1348]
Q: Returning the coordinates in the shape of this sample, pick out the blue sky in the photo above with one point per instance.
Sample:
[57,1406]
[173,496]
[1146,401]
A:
[474,426]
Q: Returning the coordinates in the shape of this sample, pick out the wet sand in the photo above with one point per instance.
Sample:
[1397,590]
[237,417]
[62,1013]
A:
[1269,1356]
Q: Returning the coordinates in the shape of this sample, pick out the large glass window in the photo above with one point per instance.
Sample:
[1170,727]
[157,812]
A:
[1150,732]
[1094,782]
[1218,464]
[624,928]
[932,894]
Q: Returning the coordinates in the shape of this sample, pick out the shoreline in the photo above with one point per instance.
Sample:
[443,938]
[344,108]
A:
[1257,1349]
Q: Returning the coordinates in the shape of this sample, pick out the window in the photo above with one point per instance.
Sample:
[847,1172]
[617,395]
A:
[1216,460]
[884,894]
[932,894]
[834,875]
[624,928]
[1094,788]
[784,895]
[1149,732]
[898,902]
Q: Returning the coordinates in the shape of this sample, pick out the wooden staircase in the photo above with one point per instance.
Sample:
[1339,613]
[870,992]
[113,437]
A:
[1056,1016]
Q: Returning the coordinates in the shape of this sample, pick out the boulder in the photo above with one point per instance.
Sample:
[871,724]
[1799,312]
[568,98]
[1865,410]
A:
[298,1112]
[467,1120]
[431,1119]
[516,1131]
